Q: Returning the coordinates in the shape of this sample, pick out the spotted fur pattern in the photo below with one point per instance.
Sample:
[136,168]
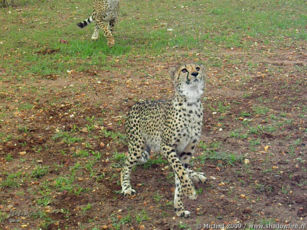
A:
[171,127]
[105,15]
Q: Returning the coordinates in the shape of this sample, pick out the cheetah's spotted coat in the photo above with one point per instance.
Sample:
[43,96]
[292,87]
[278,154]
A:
[172,127]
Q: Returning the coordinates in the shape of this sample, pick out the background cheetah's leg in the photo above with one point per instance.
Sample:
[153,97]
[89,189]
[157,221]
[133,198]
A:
[112,24]
[178,205]
[107,32]
[185,158]
[134,156]
[145,154]
[145,157]
[95,35]
[185,181]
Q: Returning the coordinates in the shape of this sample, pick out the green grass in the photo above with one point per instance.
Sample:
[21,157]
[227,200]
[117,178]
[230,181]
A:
[219,107]
[67,183]
[12,180]
[9,157]
[82,153]
[260,110]
[116,136]
[157,197]
[45,220]
[141,216]
[119,158]
[118,223]
[238,134]
[212,153]
[86,208]
[44,201]
[3,216]
[160,27]
[40,171]
[155,161]
[66,137]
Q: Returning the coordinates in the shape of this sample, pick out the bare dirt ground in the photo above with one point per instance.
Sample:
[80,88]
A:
[253,152]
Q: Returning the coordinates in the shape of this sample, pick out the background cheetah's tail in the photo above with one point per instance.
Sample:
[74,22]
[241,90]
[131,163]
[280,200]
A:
[85,22]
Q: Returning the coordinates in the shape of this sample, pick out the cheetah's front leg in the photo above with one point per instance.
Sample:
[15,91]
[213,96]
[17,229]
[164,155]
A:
[178,205]
[125,176]
[198,177]
[185,157]
[183,176]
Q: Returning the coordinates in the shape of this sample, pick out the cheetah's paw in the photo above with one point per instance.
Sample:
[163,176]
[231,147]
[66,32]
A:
[111,42]
[129,192]
[183,213]
[202,178]
[95,36]
[199,177]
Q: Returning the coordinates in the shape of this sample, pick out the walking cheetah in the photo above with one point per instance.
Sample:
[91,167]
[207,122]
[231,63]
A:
[172,127]
[105,16]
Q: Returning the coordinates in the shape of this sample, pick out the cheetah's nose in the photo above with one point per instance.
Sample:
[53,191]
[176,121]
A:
[194,74]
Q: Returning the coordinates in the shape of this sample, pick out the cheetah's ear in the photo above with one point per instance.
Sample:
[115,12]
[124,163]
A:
[171,72]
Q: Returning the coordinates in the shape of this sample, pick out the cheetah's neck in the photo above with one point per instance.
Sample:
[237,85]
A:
[186,100]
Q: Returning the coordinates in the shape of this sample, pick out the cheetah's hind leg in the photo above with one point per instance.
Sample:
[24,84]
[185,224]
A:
[135,155]
[112,23]
[145,155]
[105,27]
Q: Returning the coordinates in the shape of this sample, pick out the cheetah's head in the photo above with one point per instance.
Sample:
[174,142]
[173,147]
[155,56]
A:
[189,81]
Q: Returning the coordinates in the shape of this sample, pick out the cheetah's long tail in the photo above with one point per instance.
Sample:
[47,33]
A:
[85,22]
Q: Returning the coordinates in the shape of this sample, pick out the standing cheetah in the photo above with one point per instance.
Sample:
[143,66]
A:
[105,16]
[172,127]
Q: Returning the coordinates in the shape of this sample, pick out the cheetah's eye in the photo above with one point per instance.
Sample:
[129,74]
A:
[184,70]
[197,68]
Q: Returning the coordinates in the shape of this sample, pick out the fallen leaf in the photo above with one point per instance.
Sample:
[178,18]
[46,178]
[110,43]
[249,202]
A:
[266,148]
[63,41]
